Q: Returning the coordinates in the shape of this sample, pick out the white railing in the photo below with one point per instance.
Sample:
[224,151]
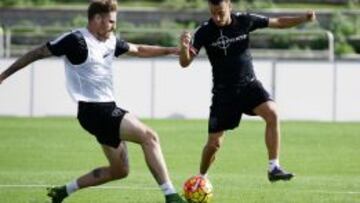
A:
[2,47]
[156,72]
[159,88]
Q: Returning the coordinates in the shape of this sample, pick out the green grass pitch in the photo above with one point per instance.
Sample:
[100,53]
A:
[35,152]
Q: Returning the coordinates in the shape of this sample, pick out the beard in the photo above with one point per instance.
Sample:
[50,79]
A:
[105,35]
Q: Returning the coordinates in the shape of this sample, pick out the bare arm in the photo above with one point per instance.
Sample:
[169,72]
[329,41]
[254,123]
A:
[186,56]
[287,22]
[31,56]
[142,50]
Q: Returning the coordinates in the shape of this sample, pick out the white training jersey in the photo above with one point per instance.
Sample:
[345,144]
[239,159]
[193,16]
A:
[88,62]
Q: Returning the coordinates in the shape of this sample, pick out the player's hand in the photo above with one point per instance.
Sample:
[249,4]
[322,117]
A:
[310,16]
[185,40]
[174,50]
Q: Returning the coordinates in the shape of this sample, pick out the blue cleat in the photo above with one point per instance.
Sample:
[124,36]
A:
[279,174]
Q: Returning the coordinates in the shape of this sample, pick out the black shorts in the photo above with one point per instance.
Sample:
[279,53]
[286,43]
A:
[228,105]
[102,119]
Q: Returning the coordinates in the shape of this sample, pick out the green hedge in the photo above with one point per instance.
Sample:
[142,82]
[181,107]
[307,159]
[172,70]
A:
[167,33]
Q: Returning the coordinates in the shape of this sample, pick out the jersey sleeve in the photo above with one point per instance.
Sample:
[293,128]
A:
[58,46]
[72,45]
[197,41]
[257,21]
[121,47]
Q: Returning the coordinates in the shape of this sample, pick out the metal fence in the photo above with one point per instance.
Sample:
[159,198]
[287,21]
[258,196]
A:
[156,87]
[159,88]
[16,43]
[2,47]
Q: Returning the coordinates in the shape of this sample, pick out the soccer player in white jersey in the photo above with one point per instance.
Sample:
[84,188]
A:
[88,54]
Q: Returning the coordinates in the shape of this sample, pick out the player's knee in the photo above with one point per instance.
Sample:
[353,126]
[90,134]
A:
[120,173]
[214,145]
[151,138]
[272,117]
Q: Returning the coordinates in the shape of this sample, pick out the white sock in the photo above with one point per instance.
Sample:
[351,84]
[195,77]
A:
[168,188]
[71,187]
[273,163]
[203,175]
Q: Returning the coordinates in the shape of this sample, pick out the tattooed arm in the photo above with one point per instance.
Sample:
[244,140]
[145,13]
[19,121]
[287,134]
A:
[33,55]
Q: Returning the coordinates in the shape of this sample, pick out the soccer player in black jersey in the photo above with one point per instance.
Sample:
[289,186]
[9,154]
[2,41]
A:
[236,90]
[88,54]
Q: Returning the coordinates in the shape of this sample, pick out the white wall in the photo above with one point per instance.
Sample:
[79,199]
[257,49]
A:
[15,92]
[304,90]
[348,91]
[159,88]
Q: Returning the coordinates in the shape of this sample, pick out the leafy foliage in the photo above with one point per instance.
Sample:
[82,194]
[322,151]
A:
[166,32]
[342,27]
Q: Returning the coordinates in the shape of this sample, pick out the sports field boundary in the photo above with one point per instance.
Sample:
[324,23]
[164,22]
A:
[29,186]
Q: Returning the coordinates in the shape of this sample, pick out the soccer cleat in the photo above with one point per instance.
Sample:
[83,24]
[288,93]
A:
[57,194]
[174,198]
[279,174]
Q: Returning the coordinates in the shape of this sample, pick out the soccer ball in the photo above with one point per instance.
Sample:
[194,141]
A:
[198,189]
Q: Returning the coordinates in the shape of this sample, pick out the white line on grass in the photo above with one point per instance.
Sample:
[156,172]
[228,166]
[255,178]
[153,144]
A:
[97,187]
[155,188]
[334,192]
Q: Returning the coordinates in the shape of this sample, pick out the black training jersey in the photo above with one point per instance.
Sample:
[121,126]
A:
[228,48]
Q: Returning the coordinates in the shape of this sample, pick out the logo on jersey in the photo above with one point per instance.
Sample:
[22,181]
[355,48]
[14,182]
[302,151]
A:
[223,42]
[106,55]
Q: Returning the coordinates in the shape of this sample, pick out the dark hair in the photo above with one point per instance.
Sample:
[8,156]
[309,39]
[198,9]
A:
[217,2]
[101,7]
